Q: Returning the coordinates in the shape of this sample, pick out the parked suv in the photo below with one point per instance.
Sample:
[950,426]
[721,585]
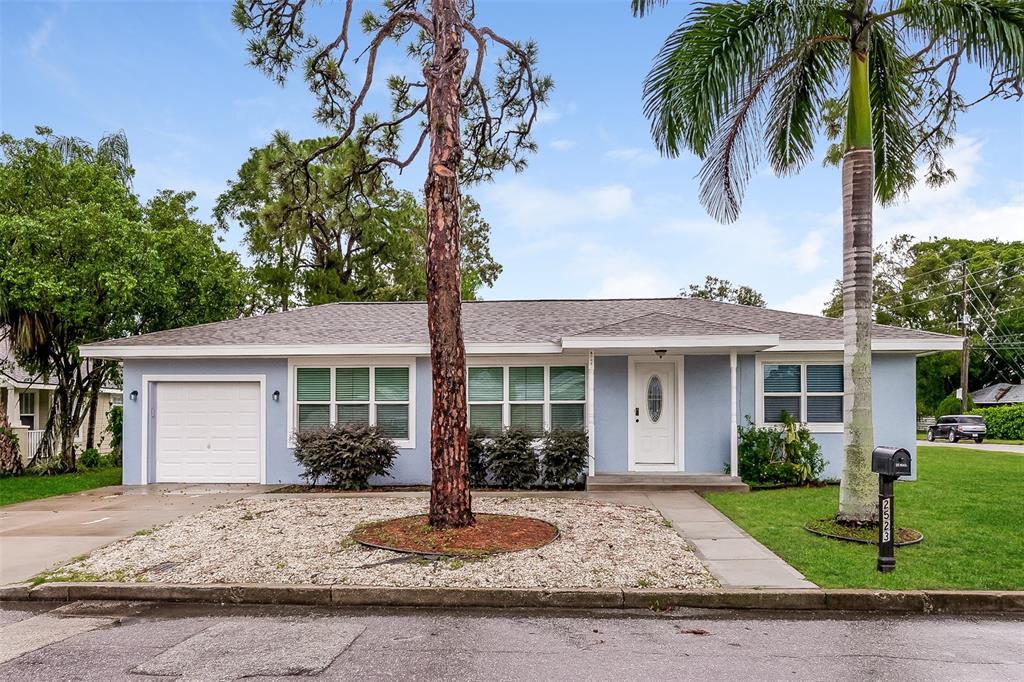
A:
[957,426]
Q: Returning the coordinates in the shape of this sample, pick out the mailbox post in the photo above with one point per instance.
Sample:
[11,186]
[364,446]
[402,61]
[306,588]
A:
[889,463]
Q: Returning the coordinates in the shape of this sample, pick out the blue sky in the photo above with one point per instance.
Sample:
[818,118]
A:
[597,213]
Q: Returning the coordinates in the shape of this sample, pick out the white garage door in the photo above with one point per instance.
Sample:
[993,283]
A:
[208,432]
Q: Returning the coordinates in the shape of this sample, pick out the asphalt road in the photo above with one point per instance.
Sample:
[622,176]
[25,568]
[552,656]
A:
[115,641]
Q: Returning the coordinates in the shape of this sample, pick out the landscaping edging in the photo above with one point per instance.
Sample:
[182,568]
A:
[903,601]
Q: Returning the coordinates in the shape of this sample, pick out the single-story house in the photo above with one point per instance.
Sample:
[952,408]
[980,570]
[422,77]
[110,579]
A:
[999,394]
[30,398]
[659,384]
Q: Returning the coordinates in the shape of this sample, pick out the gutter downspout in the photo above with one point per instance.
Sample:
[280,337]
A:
[592,458]
[733,437]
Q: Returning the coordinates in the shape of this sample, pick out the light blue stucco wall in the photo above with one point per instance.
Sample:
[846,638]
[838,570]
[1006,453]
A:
[412,465]
[894,407]
[706,393]
[706,419]
[611,414]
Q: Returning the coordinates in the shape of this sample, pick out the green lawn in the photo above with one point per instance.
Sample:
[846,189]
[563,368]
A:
[31,487]
[966,502]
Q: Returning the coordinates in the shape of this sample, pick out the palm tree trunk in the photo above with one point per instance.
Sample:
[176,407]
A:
[450,501]
[858,490]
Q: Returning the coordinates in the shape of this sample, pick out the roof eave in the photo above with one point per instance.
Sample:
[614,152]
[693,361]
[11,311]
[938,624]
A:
[140,352]
[916,346]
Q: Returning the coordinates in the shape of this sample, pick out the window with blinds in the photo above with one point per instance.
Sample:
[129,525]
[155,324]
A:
[534,399]
[378,396]
[809,392]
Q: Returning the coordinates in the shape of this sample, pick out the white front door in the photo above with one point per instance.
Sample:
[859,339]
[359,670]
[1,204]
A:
[654,416]
[208,432]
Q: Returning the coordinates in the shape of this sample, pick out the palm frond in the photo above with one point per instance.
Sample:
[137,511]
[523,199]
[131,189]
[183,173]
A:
[801,94]
[707,65]
[892,120]
[990,32]
[642,7]
[113,149]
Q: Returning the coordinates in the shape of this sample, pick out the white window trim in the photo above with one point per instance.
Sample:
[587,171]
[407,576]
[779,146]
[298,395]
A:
[803,360]
[338,362]
[35,409]
[506,401]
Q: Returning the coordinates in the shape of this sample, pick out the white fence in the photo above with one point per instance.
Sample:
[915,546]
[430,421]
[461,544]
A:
[35,438]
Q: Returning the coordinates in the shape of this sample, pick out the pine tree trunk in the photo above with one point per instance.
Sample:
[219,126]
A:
[858,489]
[450,503]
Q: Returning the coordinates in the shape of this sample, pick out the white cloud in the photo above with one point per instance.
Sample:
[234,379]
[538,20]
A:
[531,207]
[563,144]
[632,155]
[617,273]
[953,210]
[807,255]
[39,38]
[810,301]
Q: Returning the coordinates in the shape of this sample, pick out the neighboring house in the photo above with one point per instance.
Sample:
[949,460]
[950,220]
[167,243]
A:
[30,397]
[660,384]
[999,394]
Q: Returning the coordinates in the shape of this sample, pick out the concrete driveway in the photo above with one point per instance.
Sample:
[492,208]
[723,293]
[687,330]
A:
[37,535]
[968,445]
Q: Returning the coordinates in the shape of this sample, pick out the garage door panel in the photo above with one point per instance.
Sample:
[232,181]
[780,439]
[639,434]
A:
[208,432]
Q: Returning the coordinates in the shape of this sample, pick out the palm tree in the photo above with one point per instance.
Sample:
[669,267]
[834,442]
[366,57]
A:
[740,79]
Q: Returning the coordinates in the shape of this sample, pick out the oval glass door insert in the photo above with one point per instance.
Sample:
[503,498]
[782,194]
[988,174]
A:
[654,399]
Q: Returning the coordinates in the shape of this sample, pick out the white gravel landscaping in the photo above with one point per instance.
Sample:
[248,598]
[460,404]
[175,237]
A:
[306,540]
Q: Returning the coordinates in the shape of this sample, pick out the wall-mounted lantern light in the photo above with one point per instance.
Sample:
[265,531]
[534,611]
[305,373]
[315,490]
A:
[133,396]
[276,395]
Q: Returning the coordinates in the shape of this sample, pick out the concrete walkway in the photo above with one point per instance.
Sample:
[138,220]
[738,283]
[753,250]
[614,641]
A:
[37,535]
[969,445]
[732,556]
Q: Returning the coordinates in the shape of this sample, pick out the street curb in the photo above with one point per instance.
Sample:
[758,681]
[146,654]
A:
[902,601]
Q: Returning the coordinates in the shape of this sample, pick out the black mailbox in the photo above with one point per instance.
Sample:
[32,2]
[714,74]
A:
[890,461]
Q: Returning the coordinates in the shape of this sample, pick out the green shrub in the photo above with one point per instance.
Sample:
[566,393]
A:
[345,456]
[565,455]
[511,459]
[115,427]
[1005,421]
[90,459]
[478,444]
[786,455]
[951,405]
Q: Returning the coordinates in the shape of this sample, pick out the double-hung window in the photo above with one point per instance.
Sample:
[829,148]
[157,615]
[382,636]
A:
[27,409]
[531,398]
[379,396]
[809,392]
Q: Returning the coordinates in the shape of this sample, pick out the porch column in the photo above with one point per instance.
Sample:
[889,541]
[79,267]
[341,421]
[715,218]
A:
[734,448]
[590,414]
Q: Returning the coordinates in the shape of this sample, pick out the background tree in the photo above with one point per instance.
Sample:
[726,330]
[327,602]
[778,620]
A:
[474,126]
[357,239]
[718,289]
[82,261]
[738,79]
[919,285]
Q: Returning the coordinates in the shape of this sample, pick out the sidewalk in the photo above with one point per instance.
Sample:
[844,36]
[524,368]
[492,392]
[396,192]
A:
[733,557]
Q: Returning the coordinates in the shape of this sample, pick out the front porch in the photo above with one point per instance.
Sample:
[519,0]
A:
[647,482]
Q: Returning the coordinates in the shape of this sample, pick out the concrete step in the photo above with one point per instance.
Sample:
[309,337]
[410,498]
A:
[655,482]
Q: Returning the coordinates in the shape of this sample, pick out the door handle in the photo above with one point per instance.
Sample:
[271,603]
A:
[636,413]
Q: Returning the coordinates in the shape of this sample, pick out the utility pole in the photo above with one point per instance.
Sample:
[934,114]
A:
[965,353]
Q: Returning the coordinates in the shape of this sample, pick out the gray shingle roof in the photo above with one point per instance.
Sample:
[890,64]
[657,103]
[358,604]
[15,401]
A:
[999,394]
[536,321]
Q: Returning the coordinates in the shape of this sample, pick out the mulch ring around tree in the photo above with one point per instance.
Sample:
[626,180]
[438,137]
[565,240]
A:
[491,534]
[865,533]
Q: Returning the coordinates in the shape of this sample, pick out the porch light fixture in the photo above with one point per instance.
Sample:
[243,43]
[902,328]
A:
[660,353]
[276,395]
[133,396]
